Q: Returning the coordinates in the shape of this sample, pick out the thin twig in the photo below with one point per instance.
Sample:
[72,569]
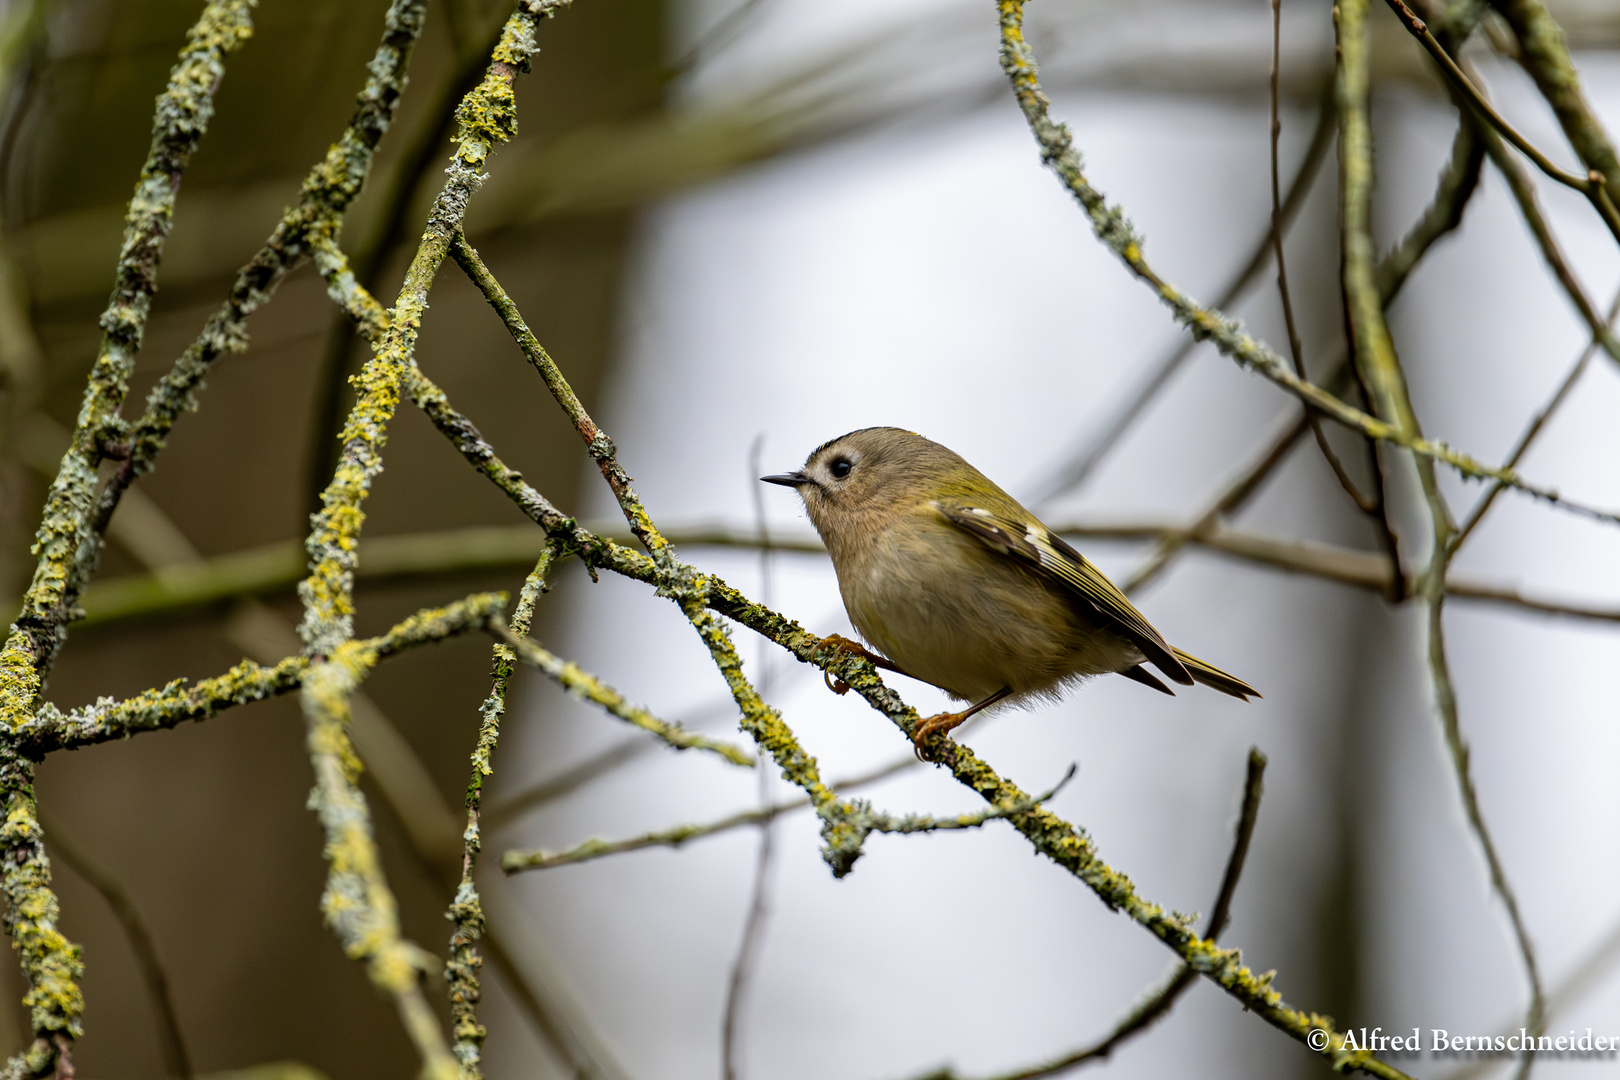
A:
[1451,725]
[1081,465]
[1158,1002]
[1543,53]
[1594,185]
[571,779]
[274,569]
[416,166]
[1599,962]
[171,1041]
[516,861]
[1296,351]
[1116,232]
[1531,431]
[1524,194]
[759,901]
[585,685]
[466,910]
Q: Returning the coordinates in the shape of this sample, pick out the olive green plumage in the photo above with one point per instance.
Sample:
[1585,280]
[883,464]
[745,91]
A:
[960,586]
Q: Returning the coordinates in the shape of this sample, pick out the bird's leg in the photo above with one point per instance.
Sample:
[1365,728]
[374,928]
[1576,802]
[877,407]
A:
[852,648]
[945,721]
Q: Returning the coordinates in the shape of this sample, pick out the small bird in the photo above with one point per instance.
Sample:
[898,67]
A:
[960,586]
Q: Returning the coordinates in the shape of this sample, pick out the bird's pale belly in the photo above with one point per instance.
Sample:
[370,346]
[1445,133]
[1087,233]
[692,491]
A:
[975,638]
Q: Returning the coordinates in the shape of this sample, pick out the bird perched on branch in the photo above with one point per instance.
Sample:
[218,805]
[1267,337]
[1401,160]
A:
[960,586]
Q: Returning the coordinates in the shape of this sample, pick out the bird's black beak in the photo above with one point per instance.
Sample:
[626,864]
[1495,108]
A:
[788,479]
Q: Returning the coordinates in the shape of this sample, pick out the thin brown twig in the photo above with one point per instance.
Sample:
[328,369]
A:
[1524,195]
[1531,431]
[1296,351]
[1594,185]
[171,1040]
[1158,1002]
[1079,466]
[759,902]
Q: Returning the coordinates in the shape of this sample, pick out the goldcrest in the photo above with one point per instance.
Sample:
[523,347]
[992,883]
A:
[958,585]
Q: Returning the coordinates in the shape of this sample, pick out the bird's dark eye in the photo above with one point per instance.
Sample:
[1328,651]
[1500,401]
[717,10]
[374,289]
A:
[840,468]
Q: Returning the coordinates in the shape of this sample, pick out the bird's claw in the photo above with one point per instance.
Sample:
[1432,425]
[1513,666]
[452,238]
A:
[926,728]
[840,643]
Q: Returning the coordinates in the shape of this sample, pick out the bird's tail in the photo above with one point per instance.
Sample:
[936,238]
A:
[1214,678]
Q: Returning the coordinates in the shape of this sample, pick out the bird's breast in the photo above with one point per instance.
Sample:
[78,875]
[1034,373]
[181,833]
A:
[957,615]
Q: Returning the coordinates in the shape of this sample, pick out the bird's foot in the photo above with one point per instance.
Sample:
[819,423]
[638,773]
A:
[934,725]
[840,643]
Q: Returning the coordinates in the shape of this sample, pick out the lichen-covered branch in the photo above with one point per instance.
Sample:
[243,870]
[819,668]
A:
[1158,1001]
[596,440]
[183,111]
[308,228]
[66,539]
[357,904]
[466,910]
[844,825]
[50,961]
[1055,838]
[1545,55]
[486,117]
[50,729]
[1204,323]
[159,708]
[588,687]
[869,819]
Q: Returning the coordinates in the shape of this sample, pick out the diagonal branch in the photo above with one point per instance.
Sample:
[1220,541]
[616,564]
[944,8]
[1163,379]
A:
[1594,185]
[1545,55]
[170,1039]
[66,540]
[1116,232]
[845,825]
[584,685]
[1159,1001]
[304,230]
[1074,472]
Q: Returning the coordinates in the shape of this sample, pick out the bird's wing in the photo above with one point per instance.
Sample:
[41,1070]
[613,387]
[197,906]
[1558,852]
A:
[1034,545]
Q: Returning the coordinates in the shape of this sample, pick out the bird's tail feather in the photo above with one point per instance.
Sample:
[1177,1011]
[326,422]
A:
[1214,678]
